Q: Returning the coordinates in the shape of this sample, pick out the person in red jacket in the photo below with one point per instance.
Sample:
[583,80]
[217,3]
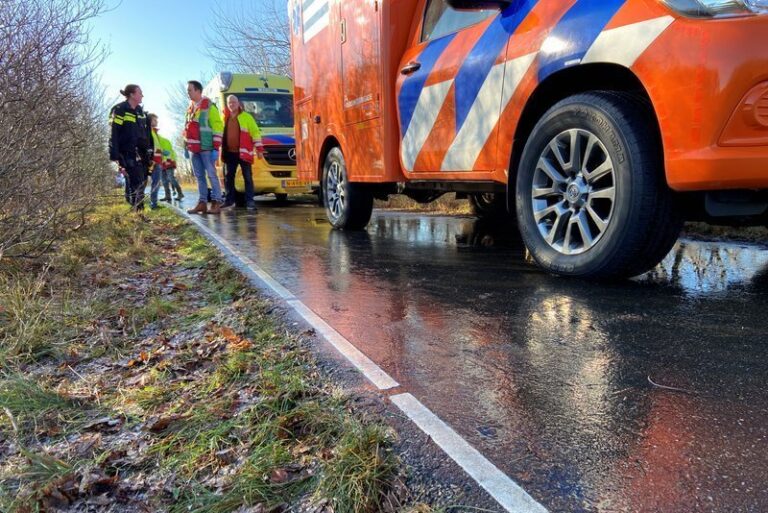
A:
[202,139]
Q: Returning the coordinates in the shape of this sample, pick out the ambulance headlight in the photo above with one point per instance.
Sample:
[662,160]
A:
[225,80]
[718,8]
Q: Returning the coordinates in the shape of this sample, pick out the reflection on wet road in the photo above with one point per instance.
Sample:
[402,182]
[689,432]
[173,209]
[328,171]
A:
[561,383]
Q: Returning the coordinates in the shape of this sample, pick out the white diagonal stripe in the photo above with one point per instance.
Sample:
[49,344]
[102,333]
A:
[313,8]
[310,31]
[506,492]
[479,123]
[423,119]
[315,29]
[513,75]
[623,45]
[502,82]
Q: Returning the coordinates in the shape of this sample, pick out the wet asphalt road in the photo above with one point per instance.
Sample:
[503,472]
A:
[559,382]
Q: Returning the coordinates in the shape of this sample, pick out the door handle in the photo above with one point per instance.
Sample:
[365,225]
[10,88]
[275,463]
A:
[410,68]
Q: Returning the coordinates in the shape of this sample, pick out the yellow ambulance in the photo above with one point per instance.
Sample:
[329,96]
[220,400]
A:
[269,99]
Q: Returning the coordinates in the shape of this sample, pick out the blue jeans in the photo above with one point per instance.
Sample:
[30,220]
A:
[157,174]
[202,165]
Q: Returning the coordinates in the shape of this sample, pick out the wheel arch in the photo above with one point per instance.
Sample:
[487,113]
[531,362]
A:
[561,85]
[329,143]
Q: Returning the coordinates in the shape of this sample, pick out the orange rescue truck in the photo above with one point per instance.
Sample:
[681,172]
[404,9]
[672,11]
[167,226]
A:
[600,125]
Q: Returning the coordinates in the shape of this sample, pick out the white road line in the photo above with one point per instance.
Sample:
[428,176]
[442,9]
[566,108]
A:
[494,481]
[268,280]
[505,491]
[370,370]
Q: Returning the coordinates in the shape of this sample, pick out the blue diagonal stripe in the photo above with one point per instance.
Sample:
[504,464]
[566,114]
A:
[483,55]
[412,86]
[575,33]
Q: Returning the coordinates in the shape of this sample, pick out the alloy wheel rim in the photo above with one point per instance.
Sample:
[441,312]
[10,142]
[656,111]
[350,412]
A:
[574,191]
[334,185]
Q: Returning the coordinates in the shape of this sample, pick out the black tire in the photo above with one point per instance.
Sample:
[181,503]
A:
[643,222]
[282,198]
[489,205]
[348,205]
[240,200]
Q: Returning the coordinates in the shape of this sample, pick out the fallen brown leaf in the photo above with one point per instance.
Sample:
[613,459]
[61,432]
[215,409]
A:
[278,476]
[103,423]
[229,334]
[156,424]
[240,345]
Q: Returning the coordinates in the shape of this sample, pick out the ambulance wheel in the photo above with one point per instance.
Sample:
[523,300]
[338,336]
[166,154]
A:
[488,204]
[591,197]
[347,205]
[281,198]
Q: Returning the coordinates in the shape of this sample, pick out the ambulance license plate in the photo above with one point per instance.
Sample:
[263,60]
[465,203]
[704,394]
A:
[294,184]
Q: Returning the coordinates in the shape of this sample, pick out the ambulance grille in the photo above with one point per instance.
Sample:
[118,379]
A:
[761,109]
[280,155]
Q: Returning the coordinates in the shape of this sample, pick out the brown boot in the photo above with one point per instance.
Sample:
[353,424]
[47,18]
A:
[215,208]
[201,208]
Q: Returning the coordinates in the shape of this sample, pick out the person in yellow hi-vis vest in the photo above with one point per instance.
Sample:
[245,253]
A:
[156,169]
[169,170]
[242,143]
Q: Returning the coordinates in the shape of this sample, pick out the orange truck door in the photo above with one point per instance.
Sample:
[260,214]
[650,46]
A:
[451,88]
[305,158]
[360,59]
[361,87]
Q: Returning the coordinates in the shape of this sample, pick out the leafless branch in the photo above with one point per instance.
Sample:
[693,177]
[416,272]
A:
[250,37]
[53,157]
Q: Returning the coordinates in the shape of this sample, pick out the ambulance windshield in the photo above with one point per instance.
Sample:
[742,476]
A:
[268,109]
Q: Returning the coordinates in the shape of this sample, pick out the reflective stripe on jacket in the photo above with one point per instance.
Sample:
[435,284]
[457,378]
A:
[250,136]
[203,127]
[129,137]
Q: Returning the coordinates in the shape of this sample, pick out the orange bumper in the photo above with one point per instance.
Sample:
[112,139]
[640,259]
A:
[707,81]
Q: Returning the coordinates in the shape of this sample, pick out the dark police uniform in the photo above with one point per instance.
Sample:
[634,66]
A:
[131,146]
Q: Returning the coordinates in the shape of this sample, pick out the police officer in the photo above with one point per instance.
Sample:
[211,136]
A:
[130,144]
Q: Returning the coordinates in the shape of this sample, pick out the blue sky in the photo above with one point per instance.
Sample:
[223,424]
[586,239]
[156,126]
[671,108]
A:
[170,49]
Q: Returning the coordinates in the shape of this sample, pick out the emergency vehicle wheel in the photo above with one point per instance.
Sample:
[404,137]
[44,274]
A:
[281,198]
[591,197]
[347,205]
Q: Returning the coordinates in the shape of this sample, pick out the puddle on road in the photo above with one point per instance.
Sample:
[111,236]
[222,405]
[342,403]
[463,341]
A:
[697,267]
[547,373]
[701,268]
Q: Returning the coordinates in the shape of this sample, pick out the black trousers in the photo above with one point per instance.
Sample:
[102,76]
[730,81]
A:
[136,182]
[232,160]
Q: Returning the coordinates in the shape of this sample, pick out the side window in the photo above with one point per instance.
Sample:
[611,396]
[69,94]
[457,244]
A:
[441,19]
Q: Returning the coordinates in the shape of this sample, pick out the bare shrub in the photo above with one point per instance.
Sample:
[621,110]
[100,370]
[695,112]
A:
[53,134]
[250,37]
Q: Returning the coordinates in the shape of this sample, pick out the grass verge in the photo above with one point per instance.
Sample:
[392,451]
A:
[139,368]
